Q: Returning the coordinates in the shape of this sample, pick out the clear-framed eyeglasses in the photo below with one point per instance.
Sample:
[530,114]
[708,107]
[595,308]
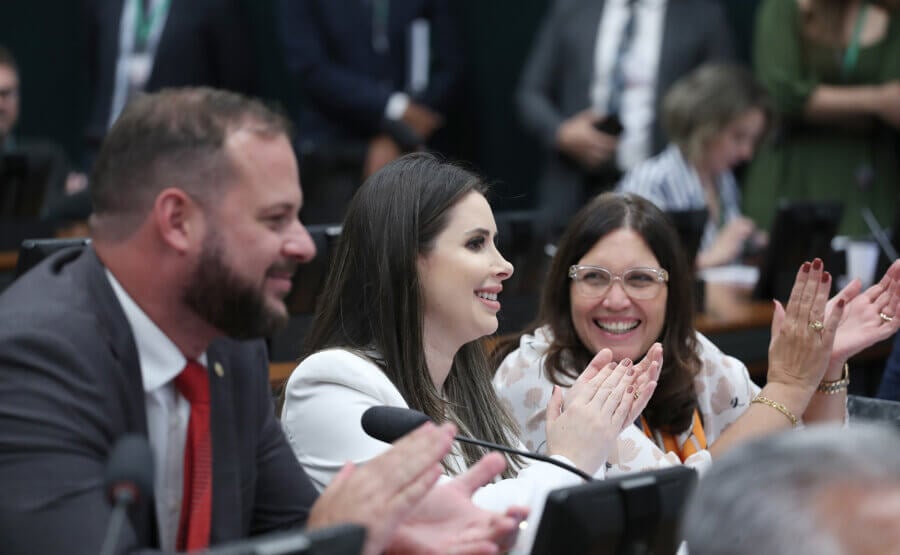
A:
[638,283]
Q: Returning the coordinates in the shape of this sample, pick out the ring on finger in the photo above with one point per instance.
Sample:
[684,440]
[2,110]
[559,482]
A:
[636,395]
[817,325]
[885,317]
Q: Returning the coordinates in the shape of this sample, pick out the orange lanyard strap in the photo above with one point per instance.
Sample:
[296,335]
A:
[693,443]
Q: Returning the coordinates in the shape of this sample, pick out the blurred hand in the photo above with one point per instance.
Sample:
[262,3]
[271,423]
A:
[382,150]
[386,490]
[446,521]
[422,119]
[729,243]
[861,324]
[798,354]
[597,407]
[889,105]
[578,138]
[75,183]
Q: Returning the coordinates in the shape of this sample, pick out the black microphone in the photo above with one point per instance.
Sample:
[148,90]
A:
[389,424]
[129,477]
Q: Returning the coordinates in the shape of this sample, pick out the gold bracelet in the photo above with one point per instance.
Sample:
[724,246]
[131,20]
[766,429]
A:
[777,406]
[833,387]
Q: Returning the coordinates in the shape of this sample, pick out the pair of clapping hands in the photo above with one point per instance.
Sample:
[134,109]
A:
[813,335]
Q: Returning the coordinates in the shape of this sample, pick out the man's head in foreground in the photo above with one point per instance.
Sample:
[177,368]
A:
[822,491]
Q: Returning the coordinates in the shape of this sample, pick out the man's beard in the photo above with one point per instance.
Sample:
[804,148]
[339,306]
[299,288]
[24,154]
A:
[222,298]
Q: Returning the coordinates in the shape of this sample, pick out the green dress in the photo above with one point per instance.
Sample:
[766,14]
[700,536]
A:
[815,161]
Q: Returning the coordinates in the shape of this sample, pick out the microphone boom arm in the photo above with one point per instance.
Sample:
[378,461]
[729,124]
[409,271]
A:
[587,477]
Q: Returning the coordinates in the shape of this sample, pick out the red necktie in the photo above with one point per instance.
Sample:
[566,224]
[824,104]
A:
[196,501]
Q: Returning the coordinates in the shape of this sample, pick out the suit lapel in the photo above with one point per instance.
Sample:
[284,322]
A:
[116,332]
[226,517]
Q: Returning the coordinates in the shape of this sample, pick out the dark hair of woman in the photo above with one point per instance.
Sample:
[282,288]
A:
[372,302]
[672,405]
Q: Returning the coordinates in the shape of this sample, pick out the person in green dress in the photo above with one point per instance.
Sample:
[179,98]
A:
[833,70]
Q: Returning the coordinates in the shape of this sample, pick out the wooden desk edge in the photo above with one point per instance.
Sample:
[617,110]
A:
[8,260]
[279,372]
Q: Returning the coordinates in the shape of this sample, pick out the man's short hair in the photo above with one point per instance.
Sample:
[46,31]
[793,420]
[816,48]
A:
[7,59]
[776,495]
[172,138]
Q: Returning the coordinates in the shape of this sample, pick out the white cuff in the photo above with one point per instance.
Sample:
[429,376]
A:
[396,106]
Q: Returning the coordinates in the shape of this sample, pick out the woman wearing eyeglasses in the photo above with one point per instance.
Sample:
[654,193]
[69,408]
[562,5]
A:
[619,282]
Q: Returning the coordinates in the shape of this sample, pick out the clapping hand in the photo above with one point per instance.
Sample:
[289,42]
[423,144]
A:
[604,399]
[384,491]
[802,334]
[446,521]
[868,317]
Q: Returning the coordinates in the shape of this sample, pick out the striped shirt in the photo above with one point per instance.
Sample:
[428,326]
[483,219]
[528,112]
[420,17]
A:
[669,182]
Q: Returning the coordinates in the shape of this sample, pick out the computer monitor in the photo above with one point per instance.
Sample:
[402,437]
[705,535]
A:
[802,230]
[23,182]
[343,539]
[636,513]
[309,278]
[517,241]
[690,225]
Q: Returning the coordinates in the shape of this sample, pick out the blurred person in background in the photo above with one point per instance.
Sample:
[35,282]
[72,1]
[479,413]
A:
[590,89]
[833,70]
[714,116]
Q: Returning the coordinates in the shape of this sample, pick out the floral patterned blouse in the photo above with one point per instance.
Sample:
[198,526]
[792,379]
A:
[724,391]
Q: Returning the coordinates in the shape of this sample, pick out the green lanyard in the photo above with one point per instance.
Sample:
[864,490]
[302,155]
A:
[381,10]
[145,22]
[852,52]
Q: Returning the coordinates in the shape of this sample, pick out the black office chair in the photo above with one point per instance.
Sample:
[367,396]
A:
[308,282]
[32,251]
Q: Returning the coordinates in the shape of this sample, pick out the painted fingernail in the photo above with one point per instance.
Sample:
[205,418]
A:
[626,362]
[817,264]
[805,267]
[630,389]
[825,277]
[630,372]
[841,303]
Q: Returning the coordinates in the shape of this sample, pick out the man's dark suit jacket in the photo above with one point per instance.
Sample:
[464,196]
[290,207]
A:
[204,43]
[345,82]
[556,80]
[70,385]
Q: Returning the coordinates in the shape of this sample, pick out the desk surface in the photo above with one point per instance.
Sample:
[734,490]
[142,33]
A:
[730,308]
[8,260]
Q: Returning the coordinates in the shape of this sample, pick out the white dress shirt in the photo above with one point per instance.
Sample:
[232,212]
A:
[168,412]
[641,65]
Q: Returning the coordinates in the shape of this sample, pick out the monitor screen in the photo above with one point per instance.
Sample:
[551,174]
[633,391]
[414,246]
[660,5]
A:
[636,513]
[802,230]
[23,180]
[309,278]
[690,225]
